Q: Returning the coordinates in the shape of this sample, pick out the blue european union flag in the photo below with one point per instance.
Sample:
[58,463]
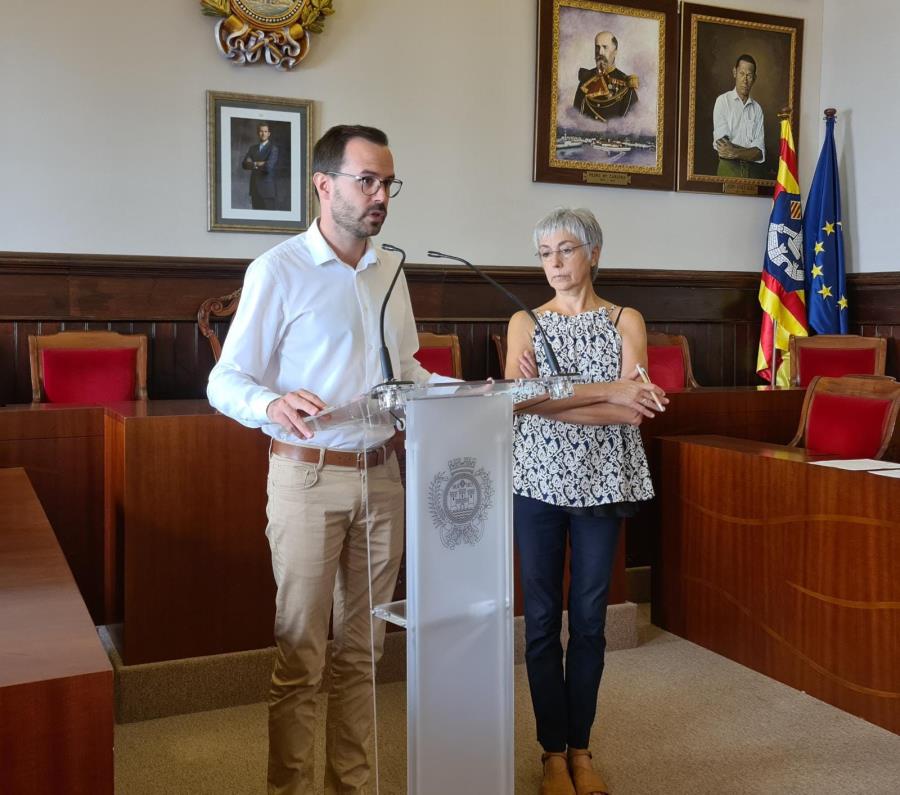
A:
[823,244]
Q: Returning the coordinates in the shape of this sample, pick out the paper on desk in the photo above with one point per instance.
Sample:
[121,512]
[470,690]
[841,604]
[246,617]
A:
[859,464]
[888,473]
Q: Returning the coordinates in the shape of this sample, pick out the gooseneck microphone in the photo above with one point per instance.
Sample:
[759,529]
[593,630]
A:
[545,345]
[386,367]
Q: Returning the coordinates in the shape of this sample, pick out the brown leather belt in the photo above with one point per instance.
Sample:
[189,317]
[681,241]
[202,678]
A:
[337,458]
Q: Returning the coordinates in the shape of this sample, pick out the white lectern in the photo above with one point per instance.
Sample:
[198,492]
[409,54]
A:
[458,610]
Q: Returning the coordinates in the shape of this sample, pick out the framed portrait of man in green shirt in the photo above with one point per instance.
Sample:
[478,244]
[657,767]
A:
[739,72]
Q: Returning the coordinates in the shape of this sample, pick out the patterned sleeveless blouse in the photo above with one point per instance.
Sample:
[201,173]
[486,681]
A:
[580,466]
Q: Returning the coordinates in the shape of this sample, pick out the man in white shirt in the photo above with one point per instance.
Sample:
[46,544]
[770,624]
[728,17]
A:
[738,132]
[306,334]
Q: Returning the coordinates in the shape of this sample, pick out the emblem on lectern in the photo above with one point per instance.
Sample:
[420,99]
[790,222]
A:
[459,499]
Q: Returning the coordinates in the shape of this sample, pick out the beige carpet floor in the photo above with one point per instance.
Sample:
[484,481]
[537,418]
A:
[672,718]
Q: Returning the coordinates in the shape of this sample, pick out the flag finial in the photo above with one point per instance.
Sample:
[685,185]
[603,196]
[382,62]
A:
[830,113]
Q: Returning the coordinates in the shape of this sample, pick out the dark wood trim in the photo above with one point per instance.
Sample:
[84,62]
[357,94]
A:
[30,263]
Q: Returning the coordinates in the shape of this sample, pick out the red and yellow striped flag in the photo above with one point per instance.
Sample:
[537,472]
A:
[781,290]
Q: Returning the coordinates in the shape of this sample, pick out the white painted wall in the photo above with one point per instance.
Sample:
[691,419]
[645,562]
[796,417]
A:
[104,131]
[859,68]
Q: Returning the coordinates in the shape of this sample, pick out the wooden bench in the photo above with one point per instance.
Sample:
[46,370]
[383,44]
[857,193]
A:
[56,682]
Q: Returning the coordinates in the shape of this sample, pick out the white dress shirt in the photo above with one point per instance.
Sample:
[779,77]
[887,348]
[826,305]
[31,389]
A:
[307,320]
[741,122]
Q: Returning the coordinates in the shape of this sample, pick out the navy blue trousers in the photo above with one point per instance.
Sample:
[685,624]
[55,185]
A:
[564,699]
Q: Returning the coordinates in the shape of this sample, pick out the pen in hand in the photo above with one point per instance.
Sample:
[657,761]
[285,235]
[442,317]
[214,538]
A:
[646,379]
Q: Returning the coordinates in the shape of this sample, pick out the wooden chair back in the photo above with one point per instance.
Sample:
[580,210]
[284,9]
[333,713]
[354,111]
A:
[84,342]
[669,361]
[440,353]
[849,416]
[835,355]
[499,341]
[213,309]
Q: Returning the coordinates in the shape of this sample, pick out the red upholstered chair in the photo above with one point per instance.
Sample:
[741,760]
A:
[216,309]
[849,416]
[88,367]
[835,354]
[669,361]
[440,353]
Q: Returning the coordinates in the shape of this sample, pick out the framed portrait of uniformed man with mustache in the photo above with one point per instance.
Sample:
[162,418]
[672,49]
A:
[605,93]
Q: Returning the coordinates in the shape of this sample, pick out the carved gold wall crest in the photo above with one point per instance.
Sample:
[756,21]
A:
[276,31]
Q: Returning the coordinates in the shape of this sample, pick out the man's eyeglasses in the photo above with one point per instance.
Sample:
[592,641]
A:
[565,251]
[371,185]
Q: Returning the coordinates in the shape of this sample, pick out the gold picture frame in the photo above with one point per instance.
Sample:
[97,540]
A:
[712,41]
[623,131]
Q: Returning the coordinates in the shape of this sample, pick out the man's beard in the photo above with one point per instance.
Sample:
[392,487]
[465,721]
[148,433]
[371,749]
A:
[360,226]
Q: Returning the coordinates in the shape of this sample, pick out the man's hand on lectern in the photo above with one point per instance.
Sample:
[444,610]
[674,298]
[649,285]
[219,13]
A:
[290,409]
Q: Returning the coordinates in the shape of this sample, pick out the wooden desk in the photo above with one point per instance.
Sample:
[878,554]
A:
[769,415]
[187,551]
[161,509]
[188,563]
[786,567]
[56,683]
[61,448]
[747,412]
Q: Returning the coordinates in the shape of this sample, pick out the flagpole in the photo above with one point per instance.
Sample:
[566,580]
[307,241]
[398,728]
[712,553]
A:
[774,353]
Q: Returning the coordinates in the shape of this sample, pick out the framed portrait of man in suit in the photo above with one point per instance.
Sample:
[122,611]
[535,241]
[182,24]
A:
[605,106]
[739,71]
[259,152]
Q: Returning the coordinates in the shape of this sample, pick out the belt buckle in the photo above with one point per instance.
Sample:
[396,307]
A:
[359,458]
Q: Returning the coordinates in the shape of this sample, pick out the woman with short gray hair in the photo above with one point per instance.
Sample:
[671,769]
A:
[577,472]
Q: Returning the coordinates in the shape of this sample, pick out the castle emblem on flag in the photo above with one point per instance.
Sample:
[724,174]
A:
[459,499]
[785,249]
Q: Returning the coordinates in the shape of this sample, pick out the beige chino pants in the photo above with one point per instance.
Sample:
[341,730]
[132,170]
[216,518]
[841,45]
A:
[317,534]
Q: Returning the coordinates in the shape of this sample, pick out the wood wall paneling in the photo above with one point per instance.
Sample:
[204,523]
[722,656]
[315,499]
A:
[718,311]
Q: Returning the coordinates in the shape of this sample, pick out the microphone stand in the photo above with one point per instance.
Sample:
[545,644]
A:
[388,393]
[560,385]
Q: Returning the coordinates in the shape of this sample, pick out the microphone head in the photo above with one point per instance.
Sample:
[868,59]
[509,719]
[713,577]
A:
[442,255]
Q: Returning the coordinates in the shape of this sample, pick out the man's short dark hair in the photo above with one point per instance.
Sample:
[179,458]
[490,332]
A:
[261,124]
[328,153]
[747,58]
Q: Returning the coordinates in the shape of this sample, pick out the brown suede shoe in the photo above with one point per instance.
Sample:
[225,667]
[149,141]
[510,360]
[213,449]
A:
[587,780]
[556,775]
